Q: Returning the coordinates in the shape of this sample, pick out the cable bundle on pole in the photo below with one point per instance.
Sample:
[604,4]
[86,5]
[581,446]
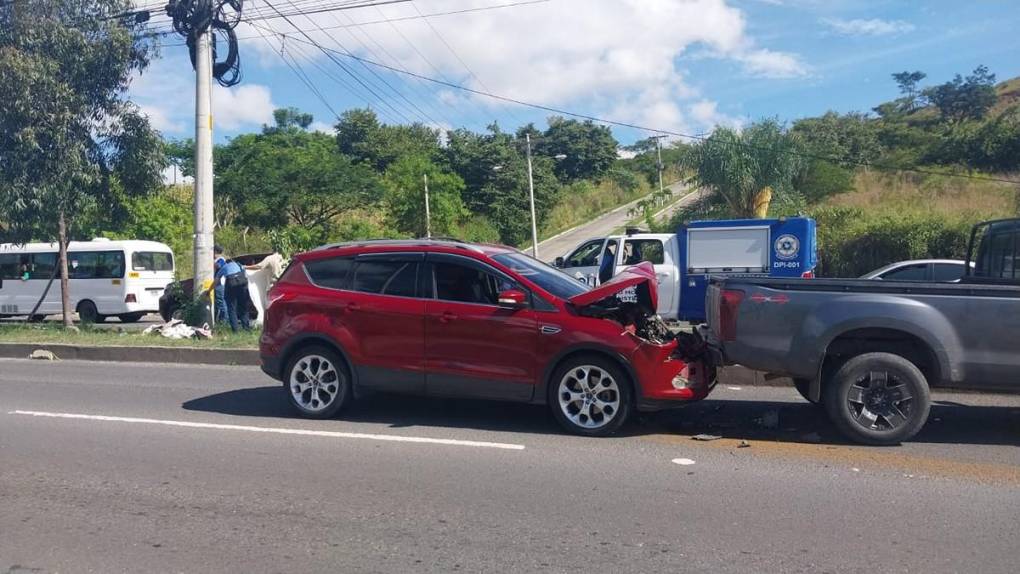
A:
[192,18]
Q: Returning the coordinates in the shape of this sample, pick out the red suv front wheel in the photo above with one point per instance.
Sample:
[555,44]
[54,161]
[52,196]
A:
[590,395]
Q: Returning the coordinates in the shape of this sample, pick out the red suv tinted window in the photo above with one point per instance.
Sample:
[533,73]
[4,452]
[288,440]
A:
[386,277]
[330,272]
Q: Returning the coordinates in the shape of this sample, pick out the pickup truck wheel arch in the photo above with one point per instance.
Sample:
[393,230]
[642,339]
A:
[875,340]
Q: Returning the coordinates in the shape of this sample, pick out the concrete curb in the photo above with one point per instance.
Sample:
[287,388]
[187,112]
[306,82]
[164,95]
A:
[182,355]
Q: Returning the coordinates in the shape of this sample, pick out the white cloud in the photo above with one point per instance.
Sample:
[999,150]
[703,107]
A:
[166,93]
[323,127]
[241,106]
[872,27]
[617,57]
[770,64]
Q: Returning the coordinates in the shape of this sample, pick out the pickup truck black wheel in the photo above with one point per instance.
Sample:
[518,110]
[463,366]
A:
[590,395]
[878,398]
[803,387]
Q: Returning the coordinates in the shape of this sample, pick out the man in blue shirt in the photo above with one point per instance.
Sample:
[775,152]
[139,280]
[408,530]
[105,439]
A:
[219,294]
[235,291]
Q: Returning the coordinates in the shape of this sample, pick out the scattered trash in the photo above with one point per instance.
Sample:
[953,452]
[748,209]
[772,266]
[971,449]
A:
[43,355]
[177,329]
[683,461]
[706,437]
[733,388]
[908,476]
[855,469]
[743,444]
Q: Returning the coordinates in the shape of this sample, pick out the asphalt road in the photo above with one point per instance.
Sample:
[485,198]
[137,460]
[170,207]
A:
[113,467]
[604,225]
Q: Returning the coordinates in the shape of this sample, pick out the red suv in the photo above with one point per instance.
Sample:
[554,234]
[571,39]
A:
[454,319]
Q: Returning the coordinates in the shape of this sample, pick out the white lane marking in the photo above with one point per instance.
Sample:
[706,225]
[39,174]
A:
[275,430]
[683,461]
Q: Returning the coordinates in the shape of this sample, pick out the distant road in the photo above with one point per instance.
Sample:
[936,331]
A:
[559,245]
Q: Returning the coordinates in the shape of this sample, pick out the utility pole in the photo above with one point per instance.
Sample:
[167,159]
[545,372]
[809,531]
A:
[659,166]
[428,214]
[531,192]
[203,167]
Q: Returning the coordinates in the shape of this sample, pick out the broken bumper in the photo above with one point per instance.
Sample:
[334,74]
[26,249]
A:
[667,381]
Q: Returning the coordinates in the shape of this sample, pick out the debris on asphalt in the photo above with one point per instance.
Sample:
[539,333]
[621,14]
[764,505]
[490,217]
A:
[43,355]
[855,469]
[706,437]
[177,329]
[743,444]
[733,388]
[683,461]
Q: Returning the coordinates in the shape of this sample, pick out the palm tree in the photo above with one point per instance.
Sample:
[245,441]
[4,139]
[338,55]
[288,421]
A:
[743,171]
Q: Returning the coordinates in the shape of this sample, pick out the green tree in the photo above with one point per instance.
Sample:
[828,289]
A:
[290,118]
[589,149]
[405,197]
[965,98]
[360,136]
[846,140]
[907,82]
[291,176]
[181,154]
[70,141]
[494,170]
[736,167]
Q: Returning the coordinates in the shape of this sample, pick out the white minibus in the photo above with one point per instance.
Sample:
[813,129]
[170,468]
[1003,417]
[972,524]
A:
[106,278]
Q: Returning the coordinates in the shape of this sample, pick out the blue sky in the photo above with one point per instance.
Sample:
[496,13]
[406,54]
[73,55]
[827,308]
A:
[677,65]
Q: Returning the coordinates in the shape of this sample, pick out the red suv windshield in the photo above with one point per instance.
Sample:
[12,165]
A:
[545,276]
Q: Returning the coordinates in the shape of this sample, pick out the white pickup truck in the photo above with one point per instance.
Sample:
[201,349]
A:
[684,261]
[587,262]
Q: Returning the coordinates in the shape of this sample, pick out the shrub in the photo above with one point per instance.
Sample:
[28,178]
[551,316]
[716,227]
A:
[852,242]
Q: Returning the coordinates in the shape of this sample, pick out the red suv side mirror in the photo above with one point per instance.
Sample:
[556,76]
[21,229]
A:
[512,299]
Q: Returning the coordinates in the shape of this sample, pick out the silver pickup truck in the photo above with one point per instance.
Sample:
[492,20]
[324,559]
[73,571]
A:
[870,350]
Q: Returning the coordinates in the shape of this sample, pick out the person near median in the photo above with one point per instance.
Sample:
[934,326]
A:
[219,294]
[235,291]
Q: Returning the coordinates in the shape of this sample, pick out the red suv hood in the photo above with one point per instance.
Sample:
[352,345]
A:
[640,274]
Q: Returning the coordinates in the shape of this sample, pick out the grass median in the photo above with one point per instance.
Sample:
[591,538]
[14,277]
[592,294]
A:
[113,337]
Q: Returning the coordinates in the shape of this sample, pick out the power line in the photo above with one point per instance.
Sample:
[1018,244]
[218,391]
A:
[655,130]
[409,104]
[296,68]
[416,87]
[348,71]
[459,59]
[425,59]
[384,20]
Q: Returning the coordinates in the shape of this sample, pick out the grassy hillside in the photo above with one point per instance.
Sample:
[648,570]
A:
[894,217]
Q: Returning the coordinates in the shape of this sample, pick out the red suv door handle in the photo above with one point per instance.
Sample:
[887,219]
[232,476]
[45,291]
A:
[447,317]
[351,307]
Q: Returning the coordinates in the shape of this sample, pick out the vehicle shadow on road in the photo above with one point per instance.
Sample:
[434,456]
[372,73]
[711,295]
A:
[395,411]
[948,422]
